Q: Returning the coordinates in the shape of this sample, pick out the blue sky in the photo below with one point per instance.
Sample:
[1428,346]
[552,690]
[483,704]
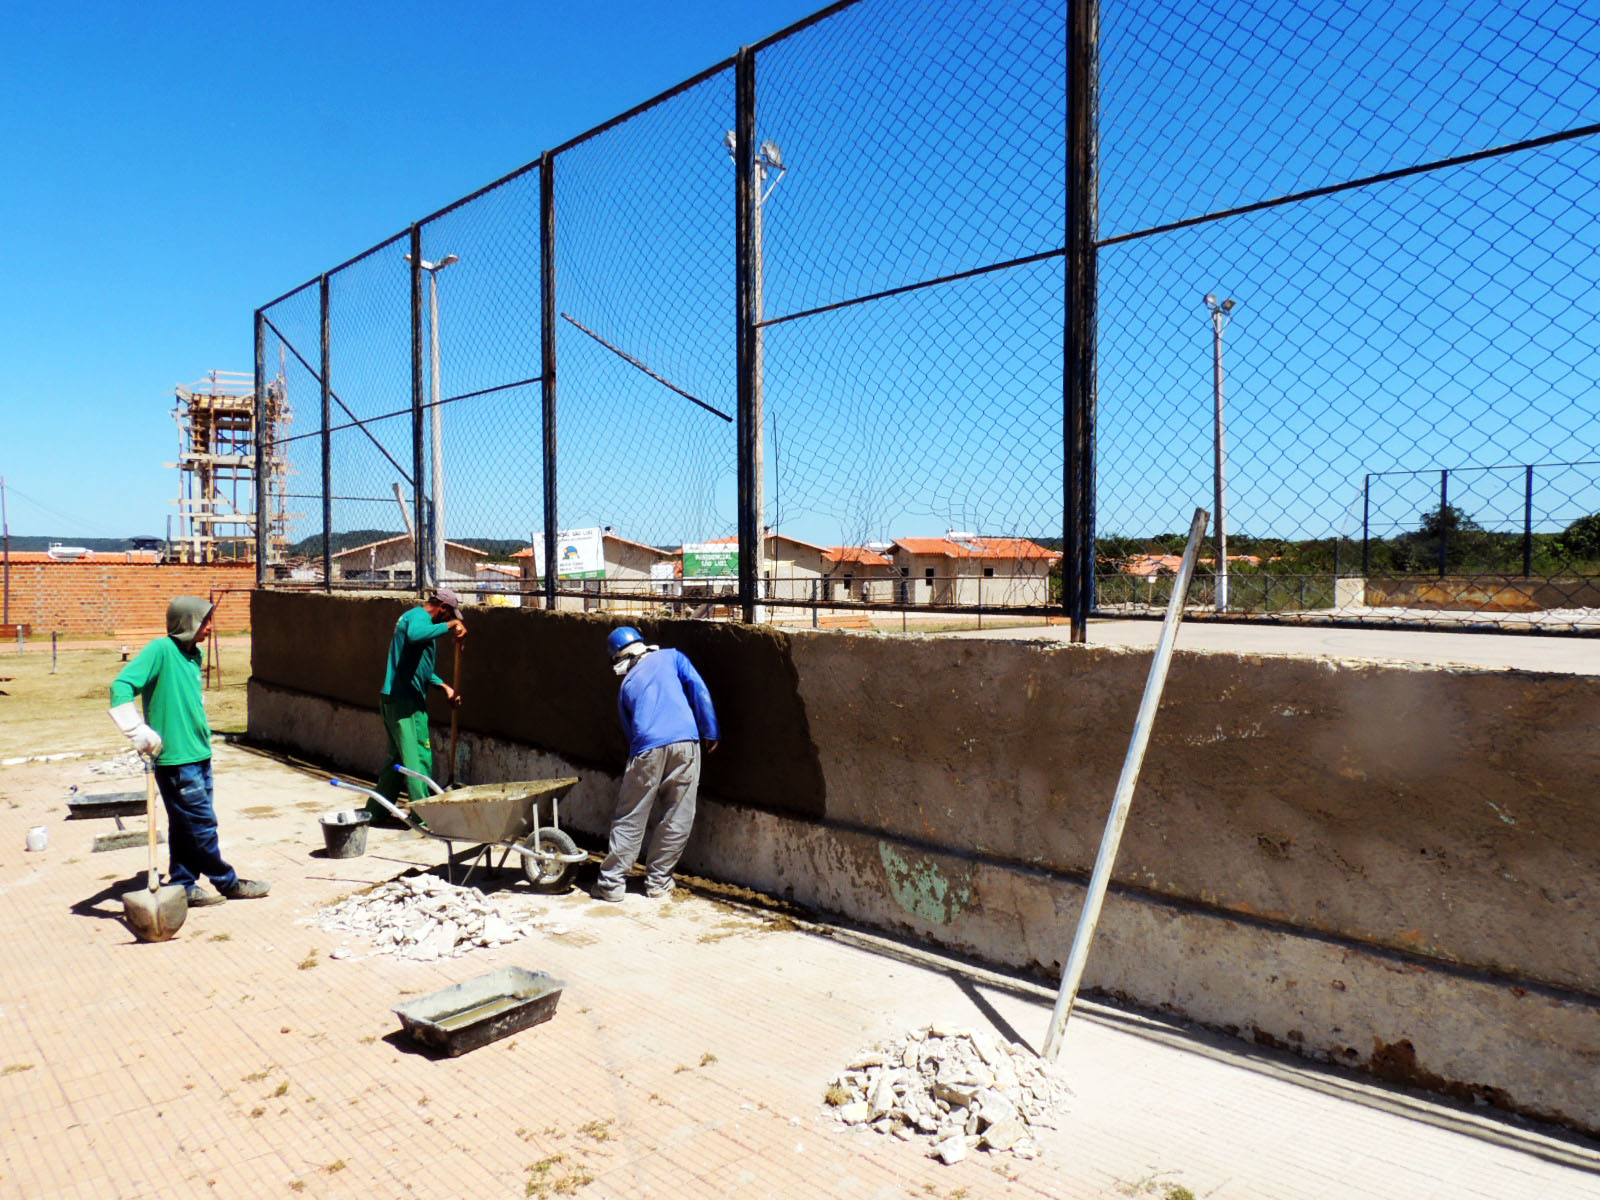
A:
[1445,320]
[169,167]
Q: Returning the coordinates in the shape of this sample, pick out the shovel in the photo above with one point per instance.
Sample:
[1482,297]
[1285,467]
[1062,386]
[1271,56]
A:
[154,913]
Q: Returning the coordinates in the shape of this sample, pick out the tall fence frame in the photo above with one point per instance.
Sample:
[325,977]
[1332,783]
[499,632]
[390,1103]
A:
[1084,576]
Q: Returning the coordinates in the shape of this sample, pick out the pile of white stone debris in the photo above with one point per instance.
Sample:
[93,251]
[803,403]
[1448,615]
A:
[424,918]
[955,1089]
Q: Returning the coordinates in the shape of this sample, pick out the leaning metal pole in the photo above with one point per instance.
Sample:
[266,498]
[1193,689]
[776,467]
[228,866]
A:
[1078,359]
[1072,973]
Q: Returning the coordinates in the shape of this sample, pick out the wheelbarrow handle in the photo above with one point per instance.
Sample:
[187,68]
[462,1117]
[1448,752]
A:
[378,796]
[427,779]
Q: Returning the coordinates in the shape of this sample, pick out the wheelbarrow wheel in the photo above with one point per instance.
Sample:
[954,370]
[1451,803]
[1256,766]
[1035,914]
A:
[547,872]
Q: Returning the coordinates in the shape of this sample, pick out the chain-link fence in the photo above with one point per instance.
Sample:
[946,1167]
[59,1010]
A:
[917,310]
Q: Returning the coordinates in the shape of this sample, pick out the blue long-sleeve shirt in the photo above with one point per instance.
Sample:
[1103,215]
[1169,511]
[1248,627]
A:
[664,700]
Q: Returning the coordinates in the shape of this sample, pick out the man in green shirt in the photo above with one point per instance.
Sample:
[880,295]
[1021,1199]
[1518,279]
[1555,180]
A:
[177,738]
[404,701]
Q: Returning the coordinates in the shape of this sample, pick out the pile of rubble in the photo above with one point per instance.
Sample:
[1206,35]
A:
[954,1089]
[424,918]
[119,766]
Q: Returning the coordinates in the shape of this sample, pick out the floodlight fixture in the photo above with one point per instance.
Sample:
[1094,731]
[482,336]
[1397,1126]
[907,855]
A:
[1211,300]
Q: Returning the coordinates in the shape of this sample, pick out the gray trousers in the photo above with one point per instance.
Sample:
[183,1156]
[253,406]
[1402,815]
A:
[663,780]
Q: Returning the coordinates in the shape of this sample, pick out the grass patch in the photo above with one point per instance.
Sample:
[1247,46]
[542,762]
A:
[282,1089]
[16,1068]
[66,711]
[599,1131]
[308,961]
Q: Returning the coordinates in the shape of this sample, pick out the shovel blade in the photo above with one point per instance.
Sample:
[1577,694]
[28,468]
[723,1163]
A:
[156,916]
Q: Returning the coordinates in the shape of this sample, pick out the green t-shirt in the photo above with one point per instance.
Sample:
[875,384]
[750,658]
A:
[166,677]
[412,652]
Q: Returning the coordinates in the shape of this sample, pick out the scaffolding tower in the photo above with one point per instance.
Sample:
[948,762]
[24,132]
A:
[216,518]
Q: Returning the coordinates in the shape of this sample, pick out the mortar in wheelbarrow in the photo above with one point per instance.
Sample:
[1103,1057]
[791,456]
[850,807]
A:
[491,813]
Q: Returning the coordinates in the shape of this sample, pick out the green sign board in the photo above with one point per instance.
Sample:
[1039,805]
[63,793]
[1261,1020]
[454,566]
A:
[711,560]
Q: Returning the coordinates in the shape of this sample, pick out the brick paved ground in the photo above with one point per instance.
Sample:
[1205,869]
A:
[687,1058]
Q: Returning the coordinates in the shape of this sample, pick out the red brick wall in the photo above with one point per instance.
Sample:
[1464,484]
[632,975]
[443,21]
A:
[88,598]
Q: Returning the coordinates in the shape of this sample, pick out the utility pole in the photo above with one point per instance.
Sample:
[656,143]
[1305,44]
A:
[436,423]
[1219,320]
[768,162]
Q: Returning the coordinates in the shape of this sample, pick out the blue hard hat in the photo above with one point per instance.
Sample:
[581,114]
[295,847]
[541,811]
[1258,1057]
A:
[621,638]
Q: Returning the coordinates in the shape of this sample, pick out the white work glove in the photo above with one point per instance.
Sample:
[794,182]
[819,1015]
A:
[145,740]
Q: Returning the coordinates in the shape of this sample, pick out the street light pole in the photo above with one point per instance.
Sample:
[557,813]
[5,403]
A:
[436,425]
[1219,320]
[768,158]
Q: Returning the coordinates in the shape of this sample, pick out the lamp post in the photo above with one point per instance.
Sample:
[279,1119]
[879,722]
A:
[768,159]
[436,426]
[1219,311]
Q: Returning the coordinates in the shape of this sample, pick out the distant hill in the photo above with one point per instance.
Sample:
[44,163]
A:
[311,547]
[32,543]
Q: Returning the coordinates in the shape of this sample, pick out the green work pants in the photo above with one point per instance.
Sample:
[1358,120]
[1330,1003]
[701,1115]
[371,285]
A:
[406,723]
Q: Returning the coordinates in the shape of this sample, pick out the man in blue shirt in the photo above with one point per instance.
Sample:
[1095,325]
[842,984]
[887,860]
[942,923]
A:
[666,713]
[404,701]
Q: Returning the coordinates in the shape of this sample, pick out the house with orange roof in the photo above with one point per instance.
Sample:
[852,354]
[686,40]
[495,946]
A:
[633,575]
[791,568]
[966,568]
[861,573]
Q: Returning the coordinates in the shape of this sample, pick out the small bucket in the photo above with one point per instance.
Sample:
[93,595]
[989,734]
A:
[345,832]
[37,838]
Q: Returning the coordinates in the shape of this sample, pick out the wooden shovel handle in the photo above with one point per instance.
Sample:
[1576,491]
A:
[153,879]
[455,709]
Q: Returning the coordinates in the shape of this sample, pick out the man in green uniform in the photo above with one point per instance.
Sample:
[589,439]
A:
[404,702]
[176,736]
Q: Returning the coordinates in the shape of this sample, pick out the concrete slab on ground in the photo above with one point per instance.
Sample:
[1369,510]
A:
[688,1056]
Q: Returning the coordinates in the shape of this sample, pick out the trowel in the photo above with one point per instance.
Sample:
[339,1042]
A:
[154,913]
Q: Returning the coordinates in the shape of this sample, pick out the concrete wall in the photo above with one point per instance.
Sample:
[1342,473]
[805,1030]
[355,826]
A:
[1391,868]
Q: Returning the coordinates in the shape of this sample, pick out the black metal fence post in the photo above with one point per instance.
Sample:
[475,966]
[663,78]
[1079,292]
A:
[263,499]
[1527,523]
[327,448]
[1078,358]
[744,152]
[1444,523]
[547,369]
[419,578]
[1366,527]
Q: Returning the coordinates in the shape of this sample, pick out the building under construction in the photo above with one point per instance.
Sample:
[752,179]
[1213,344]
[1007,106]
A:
[216,519]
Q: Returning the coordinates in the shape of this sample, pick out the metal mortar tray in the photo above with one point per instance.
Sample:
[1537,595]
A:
[467,1015]
[82,806]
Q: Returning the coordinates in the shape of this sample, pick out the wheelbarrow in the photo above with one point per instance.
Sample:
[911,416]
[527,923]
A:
[494,816]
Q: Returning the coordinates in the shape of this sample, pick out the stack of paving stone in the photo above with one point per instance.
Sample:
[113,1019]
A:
[954,1089]
[424,918]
